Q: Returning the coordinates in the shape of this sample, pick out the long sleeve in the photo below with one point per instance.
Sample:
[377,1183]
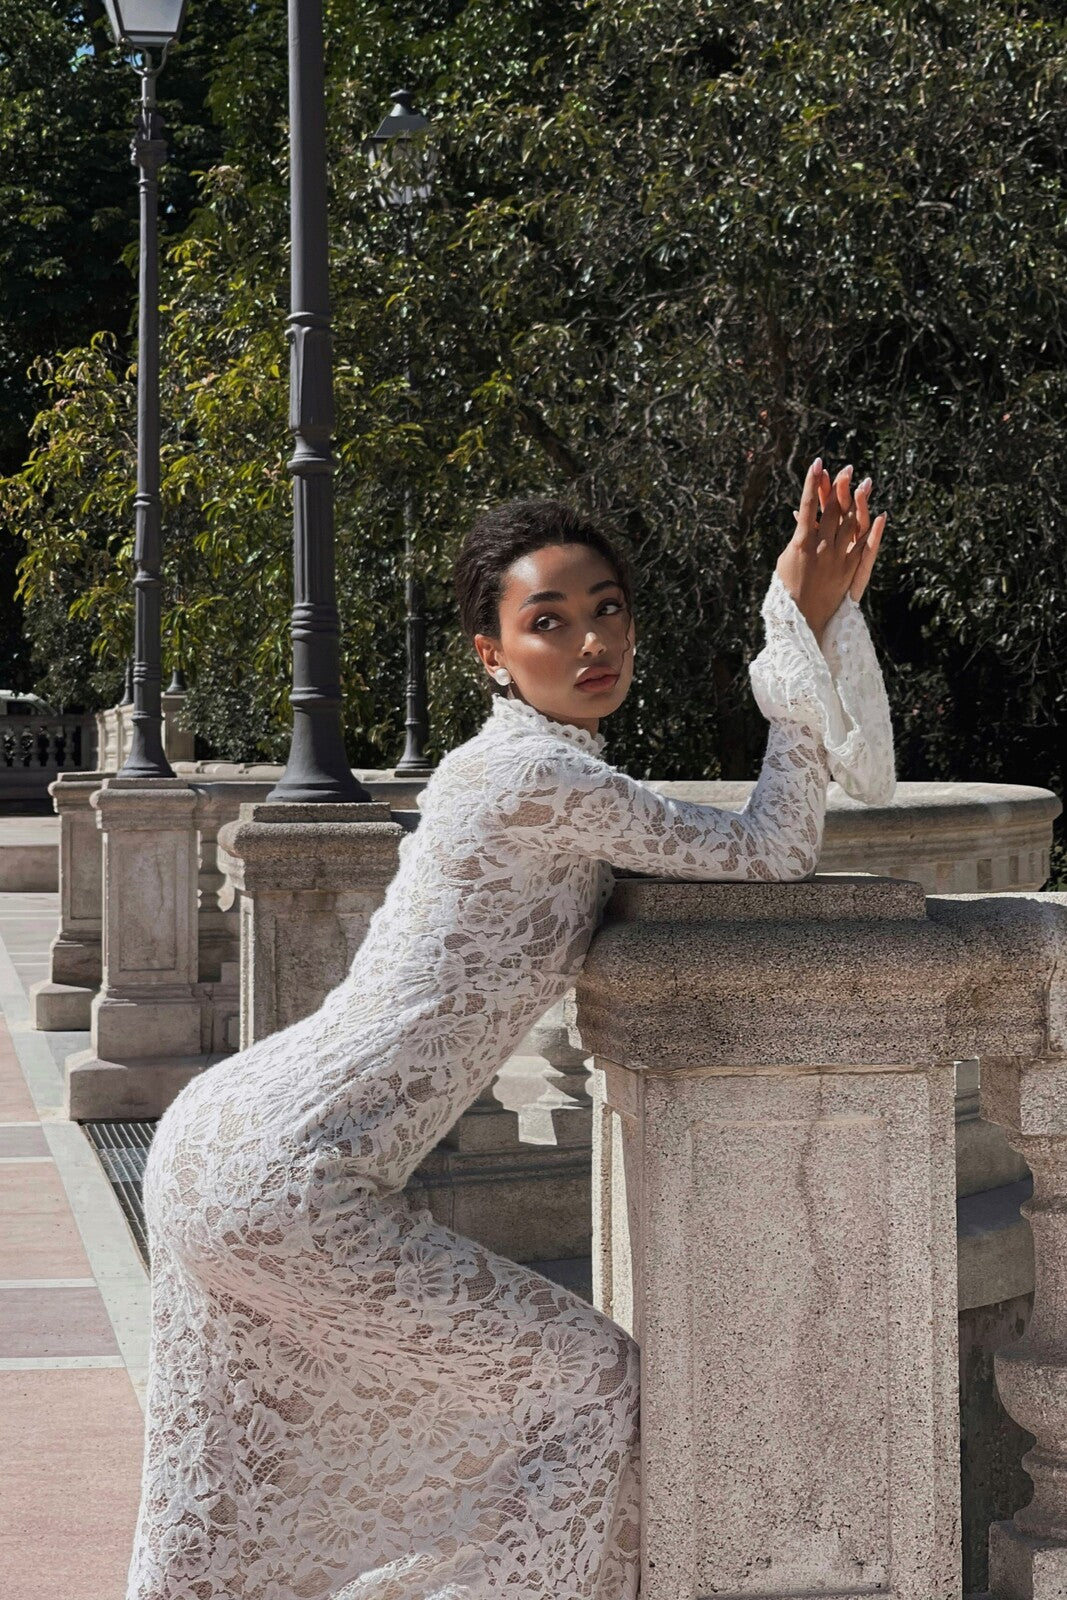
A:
[827,714]
[837,689]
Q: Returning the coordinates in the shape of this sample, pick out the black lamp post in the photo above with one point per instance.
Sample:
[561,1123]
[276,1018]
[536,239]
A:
[406,166]
[147,29]
[317,768]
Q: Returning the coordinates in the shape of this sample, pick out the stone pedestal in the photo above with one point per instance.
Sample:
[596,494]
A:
[774,1222]
[309,879]
[62,1000]
[146,1020]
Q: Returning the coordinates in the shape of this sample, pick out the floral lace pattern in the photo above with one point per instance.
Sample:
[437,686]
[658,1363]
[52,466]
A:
[347,1400]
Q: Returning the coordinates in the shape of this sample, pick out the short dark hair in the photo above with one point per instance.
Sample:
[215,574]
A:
[506,532]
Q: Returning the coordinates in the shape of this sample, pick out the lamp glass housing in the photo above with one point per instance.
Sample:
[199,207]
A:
[401,162]
[146,24]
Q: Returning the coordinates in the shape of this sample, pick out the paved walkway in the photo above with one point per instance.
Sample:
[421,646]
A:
[73,1313]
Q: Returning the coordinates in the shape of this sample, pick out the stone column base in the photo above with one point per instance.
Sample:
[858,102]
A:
[1022,1568]
[131,1026]
[60,1007]
[98,1090]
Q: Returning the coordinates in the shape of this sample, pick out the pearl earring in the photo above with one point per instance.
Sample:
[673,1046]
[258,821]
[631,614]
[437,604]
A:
[502,676]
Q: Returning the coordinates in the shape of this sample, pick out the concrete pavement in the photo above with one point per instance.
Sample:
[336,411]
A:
[73,1312]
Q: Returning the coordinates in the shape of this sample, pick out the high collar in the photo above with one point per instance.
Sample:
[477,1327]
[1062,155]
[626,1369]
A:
[515,715]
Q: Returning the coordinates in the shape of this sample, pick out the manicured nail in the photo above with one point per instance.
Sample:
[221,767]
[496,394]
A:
[846,472]
[816,465]
[865,486]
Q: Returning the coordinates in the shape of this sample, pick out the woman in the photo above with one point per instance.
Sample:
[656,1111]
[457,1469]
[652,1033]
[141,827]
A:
[348,1401]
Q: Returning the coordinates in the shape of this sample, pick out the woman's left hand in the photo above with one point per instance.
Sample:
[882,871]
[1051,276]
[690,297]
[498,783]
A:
[833,549]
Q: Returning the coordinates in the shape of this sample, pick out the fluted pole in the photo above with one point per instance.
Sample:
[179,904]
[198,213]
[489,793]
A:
[413,763]
[146,758]
[317,768]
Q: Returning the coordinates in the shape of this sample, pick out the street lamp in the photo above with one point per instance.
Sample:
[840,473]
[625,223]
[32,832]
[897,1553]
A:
[147,29]
[404,166]
[317,768]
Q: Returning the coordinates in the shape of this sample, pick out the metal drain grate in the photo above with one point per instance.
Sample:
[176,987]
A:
[123,1150]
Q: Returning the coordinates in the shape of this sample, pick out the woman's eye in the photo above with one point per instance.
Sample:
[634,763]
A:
[616,603]
[545,618]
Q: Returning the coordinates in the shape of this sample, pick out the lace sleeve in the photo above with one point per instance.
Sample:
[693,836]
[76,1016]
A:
[565,799]
[827,713]
[838,689]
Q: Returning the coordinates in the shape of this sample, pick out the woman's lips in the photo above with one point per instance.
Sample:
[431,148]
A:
[602,682]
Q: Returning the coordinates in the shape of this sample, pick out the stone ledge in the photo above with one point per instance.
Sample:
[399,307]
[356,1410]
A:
[844,896]
[995,1249]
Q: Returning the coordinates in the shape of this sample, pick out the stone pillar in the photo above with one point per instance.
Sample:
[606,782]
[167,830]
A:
[62,1000]
[309,878]
[125,732]
[218,918]
[146,1020]
[178,741]
[1028,1555]
[774,1223]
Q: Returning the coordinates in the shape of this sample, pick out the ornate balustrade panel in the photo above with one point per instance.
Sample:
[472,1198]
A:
[1028,1099]
[34,750]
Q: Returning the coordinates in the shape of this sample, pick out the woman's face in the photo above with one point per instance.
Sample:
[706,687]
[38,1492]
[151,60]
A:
[566,634]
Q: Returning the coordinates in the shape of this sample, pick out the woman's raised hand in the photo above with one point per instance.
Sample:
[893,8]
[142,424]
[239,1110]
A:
[833,550]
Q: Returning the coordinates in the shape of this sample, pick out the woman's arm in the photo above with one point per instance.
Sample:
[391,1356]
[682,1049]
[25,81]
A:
[566,801]
[826,715]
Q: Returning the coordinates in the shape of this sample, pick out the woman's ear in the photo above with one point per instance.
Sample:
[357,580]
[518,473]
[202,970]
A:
[488,650]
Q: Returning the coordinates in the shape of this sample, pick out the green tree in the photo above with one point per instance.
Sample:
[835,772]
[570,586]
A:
[676,250]
[68,202]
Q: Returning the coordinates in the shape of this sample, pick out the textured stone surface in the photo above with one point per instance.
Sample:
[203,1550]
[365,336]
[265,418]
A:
[774,1221]
[994,1245]
[75,958]
[945,986]
[1028,1557]
[309,878]
[98,1089]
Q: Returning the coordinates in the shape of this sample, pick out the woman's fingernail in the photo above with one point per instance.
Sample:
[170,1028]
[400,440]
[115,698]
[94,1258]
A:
[866,484]
[816,465]
[846,472]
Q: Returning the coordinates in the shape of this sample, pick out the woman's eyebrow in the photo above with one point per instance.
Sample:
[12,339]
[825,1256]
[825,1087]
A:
[554,594]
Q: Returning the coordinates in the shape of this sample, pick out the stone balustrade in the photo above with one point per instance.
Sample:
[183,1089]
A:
[35,749]
[774,1222]
[114,732]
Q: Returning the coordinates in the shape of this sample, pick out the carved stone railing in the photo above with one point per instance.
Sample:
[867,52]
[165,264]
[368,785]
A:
[34,750]
[774,1223]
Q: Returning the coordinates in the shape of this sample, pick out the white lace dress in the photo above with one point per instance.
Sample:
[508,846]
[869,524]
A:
[348,1401]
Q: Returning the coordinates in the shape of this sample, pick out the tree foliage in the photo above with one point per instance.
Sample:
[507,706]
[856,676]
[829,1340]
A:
[675,250]
[68,204]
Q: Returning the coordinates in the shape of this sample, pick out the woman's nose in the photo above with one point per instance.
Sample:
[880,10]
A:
[593,639]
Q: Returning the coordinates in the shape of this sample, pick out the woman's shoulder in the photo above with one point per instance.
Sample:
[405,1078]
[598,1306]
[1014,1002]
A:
[516,750]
